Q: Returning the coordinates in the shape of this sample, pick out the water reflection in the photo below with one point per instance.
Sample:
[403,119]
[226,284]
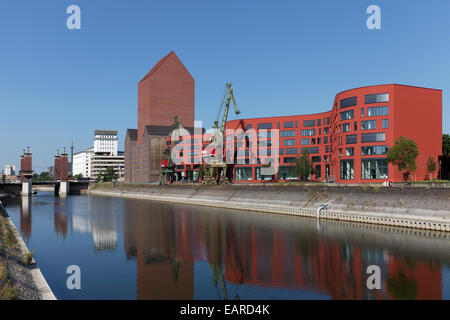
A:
[267,251]
[181,250]
[25,217]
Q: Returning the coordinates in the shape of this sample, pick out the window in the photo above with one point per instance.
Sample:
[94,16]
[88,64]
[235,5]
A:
[312,150]
[373,150]
[326,130]
[368,125]
[347,170]
[377,111]
[385,123]
[313,141]
[290,159]
[305,142]
[319,141]
[346,127]
[351,139]
[355,125]
[316,159]
[264,126]
[373,137]
[327,149]
[289,124]
[289,142]
[281,151]
[264,134]
[249,126]
[318,172]
[374,169]
[243,174]
[296,124]
[362,113]
[287,173]
[347,115]
[309,123]
[325,140]
[308,132]
[327,171]
[349,152]
[376,98]
[287,133]
[291,151]
[349,102]
[319,122]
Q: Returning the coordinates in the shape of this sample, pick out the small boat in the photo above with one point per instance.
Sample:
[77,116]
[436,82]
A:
[34,191]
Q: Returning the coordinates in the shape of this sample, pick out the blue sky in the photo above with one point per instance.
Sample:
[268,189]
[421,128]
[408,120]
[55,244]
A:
[283,57]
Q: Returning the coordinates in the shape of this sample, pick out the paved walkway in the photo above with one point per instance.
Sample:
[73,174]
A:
[19,274]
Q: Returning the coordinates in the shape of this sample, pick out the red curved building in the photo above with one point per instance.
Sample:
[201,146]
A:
[349,143]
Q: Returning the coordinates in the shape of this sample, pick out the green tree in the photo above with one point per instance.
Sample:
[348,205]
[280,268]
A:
[109,175]
[201,172]
[403,154]
[446,144]
[304,167]
[78,176]
[431,166]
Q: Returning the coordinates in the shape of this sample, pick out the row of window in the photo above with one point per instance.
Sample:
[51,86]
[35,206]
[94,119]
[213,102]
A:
[368,99]
[290,124]
[371,112]
[366,137]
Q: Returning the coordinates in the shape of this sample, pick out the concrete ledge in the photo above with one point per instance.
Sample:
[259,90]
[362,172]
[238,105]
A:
[41,284]
[418,221]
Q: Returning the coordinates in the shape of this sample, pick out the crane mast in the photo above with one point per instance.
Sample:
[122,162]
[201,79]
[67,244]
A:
[226,101]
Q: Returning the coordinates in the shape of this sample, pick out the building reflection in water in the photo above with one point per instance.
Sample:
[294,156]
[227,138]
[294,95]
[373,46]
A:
[98,218]
[60,220]
[267,251]
[26,217]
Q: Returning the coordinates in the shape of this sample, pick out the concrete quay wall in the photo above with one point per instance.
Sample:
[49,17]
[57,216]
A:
[421,208]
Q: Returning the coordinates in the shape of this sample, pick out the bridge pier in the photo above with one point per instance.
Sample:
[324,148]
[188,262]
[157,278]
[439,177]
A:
[26,189]
[64,188]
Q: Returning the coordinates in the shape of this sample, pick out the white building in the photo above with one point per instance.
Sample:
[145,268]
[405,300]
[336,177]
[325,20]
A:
[92,162]
[82,163]
[10,170]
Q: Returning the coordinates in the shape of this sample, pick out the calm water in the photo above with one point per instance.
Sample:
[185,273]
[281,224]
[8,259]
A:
[137,249]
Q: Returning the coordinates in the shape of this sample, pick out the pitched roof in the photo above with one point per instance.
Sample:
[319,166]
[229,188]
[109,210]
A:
[172,54]
[131,135]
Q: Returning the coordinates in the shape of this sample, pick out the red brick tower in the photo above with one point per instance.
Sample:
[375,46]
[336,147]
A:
[57,168]
[26,165]
[165,92]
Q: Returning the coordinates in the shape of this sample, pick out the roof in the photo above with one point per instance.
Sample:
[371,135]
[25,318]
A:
[131,135]
[164,130]
[105,132]
[171,55]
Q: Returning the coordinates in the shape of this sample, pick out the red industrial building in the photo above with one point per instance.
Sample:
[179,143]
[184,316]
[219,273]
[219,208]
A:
[26,165]
[349,143]
[61,168]
[165,92]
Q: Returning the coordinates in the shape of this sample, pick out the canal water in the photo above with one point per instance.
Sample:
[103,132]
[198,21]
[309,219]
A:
[138,249]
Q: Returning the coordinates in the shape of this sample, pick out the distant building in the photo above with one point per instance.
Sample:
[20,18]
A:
[90,163]
[105,142]
[10,170]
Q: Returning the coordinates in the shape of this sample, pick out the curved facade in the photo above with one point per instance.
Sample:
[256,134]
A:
[349,143]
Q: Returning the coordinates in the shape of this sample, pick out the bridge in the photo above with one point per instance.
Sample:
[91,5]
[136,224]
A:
[61,188]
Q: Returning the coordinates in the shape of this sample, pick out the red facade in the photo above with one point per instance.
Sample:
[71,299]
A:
[349,143]
[61,169]
[26,165]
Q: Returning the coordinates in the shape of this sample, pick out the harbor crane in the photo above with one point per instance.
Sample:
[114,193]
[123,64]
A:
[216,169]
